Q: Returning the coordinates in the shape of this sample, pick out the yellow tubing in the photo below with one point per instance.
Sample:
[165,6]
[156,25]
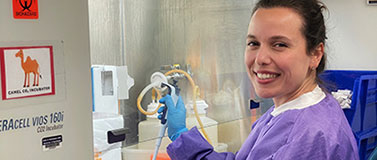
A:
[194,91]
[138,102]
[155,93]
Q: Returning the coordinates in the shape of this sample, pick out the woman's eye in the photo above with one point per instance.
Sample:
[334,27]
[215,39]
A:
[253,44]
[280,45]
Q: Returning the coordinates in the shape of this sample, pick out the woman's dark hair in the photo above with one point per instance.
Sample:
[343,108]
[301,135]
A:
[313,27]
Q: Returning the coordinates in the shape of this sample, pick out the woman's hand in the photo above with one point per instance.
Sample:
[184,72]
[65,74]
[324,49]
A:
[176,116]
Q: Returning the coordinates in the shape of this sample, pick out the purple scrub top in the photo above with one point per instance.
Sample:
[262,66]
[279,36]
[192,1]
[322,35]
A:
[320,131]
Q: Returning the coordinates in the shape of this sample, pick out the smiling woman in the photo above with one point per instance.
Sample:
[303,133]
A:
[276,57]
[283,57]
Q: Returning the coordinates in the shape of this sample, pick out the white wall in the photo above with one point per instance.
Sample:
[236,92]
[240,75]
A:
[352,32]
[59,20]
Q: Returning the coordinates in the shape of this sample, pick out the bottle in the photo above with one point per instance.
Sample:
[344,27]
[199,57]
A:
[149,130]
[210,125]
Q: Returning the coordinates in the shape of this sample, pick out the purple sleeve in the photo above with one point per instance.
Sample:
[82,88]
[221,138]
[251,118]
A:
[192,146]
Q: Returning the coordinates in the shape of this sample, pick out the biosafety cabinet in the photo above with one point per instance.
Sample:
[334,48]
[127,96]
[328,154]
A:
[45,104]
[204,37]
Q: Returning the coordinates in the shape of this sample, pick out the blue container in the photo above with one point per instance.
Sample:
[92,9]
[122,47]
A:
[363,113]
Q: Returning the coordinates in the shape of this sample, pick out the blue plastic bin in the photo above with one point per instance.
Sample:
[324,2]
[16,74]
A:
[363,113]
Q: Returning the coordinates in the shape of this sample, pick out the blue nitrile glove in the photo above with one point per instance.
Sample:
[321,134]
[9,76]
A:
[176,116]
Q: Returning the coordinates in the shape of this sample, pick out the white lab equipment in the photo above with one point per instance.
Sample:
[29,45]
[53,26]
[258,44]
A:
[102,123]
[109,83]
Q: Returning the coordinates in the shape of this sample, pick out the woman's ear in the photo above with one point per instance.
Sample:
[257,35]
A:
[317,55]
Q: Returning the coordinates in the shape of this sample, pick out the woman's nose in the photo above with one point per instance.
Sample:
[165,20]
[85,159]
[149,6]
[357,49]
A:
[263,56]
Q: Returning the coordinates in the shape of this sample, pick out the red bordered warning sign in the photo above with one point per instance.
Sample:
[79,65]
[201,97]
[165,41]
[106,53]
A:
[27,72]
[25,9]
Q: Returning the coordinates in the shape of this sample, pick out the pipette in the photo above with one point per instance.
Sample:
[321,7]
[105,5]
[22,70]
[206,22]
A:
[174,96]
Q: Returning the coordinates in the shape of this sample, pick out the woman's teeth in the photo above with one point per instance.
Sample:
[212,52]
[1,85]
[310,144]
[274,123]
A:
[266,76]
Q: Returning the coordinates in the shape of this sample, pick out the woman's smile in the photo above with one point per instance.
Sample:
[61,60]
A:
[266,77]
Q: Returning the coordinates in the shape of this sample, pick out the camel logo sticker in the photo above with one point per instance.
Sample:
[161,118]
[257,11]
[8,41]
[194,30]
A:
[29,66]
[27,72]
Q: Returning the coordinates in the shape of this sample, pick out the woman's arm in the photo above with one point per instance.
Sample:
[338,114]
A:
[191,145]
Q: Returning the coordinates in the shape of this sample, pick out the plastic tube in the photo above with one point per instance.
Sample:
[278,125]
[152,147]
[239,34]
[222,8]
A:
[154,94]
[141,95]
[194,91]
[194,94]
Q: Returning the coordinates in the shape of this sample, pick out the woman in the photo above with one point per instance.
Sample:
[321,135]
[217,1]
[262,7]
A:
[284,55]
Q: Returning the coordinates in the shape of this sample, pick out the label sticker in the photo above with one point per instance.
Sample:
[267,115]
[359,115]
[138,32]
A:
[52,142]
[25,9]
[27,72]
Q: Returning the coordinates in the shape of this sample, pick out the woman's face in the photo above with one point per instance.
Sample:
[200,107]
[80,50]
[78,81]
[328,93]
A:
[275,55]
